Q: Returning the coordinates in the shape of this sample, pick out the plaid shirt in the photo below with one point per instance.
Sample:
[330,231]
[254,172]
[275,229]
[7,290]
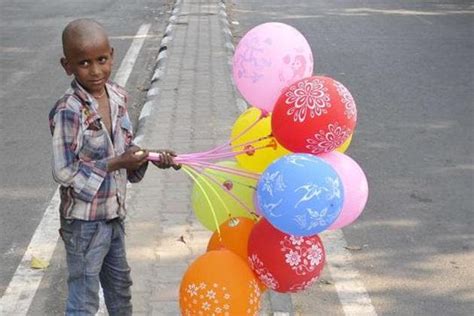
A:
[81,148]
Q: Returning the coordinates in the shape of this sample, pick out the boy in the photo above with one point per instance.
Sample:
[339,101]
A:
[93,157]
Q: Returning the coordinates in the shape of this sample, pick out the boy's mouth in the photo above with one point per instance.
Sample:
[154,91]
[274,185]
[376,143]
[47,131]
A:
[97,81]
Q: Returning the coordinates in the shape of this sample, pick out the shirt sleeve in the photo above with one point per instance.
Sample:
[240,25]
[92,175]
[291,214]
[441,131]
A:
[133,176]
[137,175]
[85,177]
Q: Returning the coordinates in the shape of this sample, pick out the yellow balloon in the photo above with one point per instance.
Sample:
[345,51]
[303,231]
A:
[223,204]
[344,145]
[259,159]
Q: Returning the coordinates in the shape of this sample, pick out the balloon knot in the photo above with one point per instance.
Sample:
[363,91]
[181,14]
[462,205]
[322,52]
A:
[233,222]
[249,150]
[273,144]
[228,185]
[264,114]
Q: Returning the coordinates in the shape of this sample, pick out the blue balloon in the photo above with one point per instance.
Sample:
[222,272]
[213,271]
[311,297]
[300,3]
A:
[300,194]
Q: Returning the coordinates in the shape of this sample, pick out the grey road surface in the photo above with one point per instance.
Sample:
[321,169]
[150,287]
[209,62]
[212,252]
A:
[410,68]
[31,80]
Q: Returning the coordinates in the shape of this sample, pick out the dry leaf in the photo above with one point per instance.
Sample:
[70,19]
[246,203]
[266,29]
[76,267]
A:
[181,239]
[324,281]
[355,248]
[37,263]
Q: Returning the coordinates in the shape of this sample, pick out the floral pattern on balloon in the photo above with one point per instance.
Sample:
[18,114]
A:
[285,263]
[206,299]
[263,274]
[314,115]
[301,254]
[347,99]
[303,285]
[328,140]
[307,97]
[214,299]
[219,282]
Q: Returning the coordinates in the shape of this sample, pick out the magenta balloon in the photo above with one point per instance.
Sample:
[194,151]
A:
[270,57]
[356,189]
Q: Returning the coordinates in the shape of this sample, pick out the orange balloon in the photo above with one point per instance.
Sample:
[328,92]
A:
[234,236]
[219,283]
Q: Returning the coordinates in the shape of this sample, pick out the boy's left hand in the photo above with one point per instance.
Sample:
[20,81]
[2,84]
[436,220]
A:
[166,159]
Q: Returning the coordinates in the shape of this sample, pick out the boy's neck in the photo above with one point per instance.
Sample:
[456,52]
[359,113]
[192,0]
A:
[95,95]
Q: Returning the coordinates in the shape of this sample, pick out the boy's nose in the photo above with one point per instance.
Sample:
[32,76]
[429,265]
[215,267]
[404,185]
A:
[94,70]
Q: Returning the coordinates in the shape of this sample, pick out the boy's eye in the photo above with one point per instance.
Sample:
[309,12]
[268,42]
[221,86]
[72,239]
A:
[103,60]
[83,63]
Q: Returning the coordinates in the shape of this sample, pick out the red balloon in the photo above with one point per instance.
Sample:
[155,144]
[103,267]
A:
[314,115]
[283,262]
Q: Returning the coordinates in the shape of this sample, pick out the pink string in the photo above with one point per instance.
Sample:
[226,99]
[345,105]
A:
[229,170]
[221,151]
[252,141]
[221,155]
[222,147]
[214,180]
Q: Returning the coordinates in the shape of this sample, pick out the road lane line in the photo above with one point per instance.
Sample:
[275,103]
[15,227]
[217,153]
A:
[20,292]
[351,290]
[22,288]
[123,73]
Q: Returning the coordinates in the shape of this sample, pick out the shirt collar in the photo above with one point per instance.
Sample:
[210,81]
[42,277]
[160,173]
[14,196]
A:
[115,97]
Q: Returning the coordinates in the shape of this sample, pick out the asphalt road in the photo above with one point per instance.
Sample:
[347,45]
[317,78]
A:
[31,82]
[409,66]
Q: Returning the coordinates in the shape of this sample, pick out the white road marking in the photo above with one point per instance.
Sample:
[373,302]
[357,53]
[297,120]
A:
[351,290]
[20,292]
[22,288]
[123,73]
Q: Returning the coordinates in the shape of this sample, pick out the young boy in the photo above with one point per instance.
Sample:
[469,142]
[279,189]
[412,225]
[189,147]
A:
[93,157]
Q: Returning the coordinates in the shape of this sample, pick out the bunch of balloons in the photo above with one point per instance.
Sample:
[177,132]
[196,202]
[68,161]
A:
[280,180]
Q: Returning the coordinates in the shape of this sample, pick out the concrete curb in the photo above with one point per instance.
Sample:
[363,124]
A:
[229,39]
[158,73]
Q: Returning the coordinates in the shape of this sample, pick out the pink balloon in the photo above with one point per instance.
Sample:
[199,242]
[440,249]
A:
[356,189]
[270,57]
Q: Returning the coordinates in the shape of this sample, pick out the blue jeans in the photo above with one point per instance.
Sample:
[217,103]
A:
[95,253]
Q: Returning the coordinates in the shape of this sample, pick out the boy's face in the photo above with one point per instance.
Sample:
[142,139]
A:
[90,63]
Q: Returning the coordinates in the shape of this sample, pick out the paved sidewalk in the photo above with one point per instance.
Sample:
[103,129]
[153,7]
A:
[192,106]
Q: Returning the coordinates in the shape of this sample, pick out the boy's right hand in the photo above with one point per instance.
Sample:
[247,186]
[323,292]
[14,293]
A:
[134,157]
[131,159]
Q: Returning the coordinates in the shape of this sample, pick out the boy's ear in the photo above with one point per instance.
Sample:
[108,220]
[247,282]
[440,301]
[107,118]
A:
[112,53]
[66,66]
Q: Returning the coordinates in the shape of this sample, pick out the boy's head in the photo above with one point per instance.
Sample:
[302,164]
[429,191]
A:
[87,54]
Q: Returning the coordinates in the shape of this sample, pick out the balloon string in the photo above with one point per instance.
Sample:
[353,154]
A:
[248,128]
[216,181]
[238,172]
[186,169]
[252,141]
[222,147]
[224,177]
[204,153]
[216,167]
[229,154]
[200,176]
